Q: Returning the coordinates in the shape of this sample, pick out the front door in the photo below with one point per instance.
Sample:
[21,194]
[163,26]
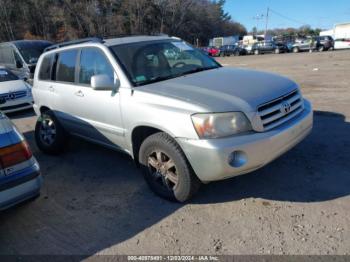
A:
[98,111]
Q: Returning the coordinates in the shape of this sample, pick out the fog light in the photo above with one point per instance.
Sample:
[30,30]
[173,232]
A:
[237,159]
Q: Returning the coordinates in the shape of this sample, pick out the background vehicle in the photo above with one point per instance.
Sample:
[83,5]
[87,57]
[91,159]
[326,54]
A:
[14,92]
[264,47]
[282,48]
[324,43]
[20,177]
[228,50]
[21,56]
[212,51]
[167,114]
[319,43]
[342,43]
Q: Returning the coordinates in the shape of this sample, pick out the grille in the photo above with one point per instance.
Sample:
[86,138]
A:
[273,113]
[13,95]
[14,107]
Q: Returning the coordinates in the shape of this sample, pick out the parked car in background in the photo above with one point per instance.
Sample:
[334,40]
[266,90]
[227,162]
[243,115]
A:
[15,94]
[342,43]
[264,47]
[21,56]
[212,51]
[282,48]
[324,43]
[228,50]
[319,43]
[183,121]
[20,178]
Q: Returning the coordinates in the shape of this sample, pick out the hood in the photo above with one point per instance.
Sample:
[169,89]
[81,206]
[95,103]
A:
[224,89]
[12,86]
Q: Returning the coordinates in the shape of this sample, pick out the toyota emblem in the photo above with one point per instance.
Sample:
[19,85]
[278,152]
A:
[286,107]
[11,96]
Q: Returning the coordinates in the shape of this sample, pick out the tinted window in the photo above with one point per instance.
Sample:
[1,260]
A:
[93,62]
[45,69]
[6,75]
[66,66]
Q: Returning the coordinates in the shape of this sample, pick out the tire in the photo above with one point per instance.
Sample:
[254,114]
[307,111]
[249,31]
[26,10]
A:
[50,136]
[256,52]
[295,50]
[321,48]
[182,184]
[277,51]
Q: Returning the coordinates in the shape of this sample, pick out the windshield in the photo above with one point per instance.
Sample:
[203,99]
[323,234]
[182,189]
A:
[6,75]
[149,62]
[31,51]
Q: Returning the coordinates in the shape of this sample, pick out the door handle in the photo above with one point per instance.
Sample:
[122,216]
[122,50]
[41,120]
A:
[79,93]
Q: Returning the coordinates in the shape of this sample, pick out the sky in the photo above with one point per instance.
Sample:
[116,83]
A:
[286,13]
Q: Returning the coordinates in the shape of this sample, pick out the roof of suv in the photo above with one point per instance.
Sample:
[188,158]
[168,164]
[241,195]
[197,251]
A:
[109,42]
[134,39]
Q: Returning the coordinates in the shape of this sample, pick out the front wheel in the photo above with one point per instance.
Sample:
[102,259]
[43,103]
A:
[295,50]
[321,48]
[166,169]
[256,52]
[277,51]
[50,136]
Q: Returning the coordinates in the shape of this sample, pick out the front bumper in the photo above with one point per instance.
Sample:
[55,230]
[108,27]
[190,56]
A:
[17,104]
[218,159]
[27,184]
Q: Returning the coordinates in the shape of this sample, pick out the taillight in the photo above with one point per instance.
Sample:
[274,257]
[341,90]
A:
[15,154]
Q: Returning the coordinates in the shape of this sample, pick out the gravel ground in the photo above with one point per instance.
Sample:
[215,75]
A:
[95,201]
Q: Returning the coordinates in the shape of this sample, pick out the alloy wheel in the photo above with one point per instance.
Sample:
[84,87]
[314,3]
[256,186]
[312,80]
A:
[163,169]
[48,131]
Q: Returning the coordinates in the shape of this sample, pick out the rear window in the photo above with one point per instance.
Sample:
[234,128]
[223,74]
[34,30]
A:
[6,75]
[66,66]
[45,69]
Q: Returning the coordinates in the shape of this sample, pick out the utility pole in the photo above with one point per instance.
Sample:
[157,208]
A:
[267,21]
[258,18]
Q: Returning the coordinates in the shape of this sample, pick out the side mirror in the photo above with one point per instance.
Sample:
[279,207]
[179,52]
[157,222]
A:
[104,83]
[19,64]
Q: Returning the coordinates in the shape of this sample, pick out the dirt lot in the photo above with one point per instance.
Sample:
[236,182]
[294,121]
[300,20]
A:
[95,201]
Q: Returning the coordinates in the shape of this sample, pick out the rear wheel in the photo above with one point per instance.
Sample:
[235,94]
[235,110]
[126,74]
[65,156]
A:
[166,169]
[50,136]
[277,51]
[295,50]
[321,48]
[256,52]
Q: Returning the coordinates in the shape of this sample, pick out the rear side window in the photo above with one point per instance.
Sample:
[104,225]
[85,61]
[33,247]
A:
[93,62]
[45,69]
[66,66]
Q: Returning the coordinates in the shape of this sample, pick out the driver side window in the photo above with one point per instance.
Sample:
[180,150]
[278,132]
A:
[93,62]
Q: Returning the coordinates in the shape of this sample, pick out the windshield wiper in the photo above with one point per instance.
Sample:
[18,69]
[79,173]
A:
[163,78]
[156,79]
[198,69]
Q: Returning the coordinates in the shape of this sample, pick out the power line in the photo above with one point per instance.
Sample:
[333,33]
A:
[286,17]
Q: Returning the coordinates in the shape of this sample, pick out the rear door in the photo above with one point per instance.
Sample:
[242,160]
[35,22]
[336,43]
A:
[64,90]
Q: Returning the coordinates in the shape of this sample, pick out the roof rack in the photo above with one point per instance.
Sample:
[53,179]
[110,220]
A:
[75,42]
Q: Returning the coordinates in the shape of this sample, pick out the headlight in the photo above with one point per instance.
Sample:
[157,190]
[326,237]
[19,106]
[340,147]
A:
[217,125]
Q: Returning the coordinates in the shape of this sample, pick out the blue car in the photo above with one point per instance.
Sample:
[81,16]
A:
[20,177]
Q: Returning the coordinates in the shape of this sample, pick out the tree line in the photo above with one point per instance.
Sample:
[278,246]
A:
[60,20]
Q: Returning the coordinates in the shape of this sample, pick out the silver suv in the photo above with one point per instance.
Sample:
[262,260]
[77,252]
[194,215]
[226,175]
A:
[183,117]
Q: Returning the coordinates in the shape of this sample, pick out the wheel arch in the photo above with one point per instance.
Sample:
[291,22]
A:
[138,135]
